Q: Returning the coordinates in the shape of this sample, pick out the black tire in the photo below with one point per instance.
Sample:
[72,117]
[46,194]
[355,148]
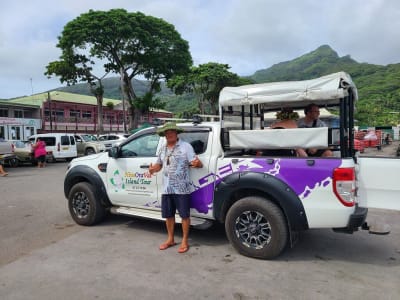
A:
[83,206]
[13,162]
[89,151]
[256,227]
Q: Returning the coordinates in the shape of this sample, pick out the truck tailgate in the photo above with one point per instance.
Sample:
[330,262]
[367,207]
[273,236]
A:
[378,182]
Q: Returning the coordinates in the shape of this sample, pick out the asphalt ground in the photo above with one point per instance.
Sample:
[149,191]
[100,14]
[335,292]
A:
[45,255]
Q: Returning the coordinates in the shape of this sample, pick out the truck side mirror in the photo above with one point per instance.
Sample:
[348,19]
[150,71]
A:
[113,152]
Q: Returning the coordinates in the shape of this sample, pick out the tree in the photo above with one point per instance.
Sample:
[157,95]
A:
[206,81]
[128,44]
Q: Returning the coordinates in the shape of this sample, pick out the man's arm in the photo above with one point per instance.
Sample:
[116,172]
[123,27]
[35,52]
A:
[154,168]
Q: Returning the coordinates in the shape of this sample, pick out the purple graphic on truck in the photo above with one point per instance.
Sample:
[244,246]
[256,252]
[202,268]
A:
[302,176]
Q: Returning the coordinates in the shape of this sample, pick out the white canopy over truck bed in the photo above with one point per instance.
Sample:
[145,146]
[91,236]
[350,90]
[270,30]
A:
[326,90]
[242,109]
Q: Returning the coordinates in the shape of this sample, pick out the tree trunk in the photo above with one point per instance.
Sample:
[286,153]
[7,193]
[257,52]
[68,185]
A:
[100,128]
[129,94]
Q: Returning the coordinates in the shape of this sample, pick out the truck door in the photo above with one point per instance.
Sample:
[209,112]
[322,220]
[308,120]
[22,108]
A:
[128,183]
[201,139]
[378,182]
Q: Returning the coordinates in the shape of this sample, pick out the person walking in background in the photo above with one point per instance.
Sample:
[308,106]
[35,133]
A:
[175,158]
[2,172]
[39,151]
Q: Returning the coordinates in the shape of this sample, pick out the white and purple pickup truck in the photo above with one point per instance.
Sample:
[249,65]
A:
[263,199]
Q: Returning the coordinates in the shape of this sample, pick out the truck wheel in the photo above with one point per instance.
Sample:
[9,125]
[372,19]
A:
[256,227]
[83,206]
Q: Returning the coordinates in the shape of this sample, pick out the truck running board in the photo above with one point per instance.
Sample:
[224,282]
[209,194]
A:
[198,223]
[376,228]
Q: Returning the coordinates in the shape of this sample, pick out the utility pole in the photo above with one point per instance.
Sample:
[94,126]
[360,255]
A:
[50,112]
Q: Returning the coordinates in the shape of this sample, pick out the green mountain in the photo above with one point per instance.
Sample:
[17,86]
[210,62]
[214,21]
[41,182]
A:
[378,86]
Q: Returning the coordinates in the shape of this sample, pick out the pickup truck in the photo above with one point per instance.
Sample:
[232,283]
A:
[263,199]
[87,144]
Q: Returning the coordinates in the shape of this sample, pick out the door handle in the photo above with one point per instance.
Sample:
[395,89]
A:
[144,166]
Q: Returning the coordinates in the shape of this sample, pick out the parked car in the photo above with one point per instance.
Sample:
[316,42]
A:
[61,145]
[7,152]
[110,140]
[87,144]
[23,152]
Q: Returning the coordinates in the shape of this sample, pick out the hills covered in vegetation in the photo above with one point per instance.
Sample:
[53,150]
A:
[378,86]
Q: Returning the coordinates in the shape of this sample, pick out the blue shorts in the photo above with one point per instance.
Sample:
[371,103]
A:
[172,202]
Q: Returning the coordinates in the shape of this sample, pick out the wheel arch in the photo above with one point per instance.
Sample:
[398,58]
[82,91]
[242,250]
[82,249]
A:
[86,174]
[239,185]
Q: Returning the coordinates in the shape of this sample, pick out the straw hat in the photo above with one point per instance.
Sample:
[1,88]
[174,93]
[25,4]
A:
[169,126]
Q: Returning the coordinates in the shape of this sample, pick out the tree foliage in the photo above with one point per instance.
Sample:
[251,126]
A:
[124,43]
[206,81]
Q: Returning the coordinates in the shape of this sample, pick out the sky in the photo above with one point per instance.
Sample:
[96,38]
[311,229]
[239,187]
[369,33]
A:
[248,35]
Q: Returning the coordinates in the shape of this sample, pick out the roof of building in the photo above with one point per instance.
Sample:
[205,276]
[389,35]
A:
[9,103]
[38,99]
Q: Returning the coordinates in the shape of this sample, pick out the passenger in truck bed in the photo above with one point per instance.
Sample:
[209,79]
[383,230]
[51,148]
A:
[286,118]
[311,120]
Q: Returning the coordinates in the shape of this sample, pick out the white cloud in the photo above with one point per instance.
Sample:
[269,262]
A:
[247,35]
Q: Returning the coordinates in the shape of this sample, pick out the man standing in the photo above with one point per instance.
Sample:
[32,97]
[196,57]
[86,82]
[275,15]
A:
[311,120]
[175,158]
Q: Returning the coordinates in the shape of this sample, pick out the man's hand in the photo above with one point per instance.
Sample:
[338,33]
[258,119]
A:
[196,163]
[153,168]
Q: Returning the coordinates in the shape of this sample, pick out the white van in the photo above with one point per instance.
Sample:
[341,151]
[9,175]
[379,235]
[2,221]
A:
[61,145]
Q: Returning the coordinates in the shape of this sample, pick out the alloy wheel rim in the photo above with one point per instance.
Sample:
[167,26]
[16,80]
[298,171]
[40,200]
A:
[253,229]
[80,205]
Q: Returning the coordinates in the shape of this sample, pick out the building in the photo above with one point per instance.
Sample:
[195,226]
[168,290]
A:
[18,121]
[58,111]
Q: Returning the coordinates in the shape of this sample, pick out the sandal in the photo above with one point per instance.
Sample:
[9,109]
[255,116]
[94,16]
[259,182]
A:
[166,246]
[183,249]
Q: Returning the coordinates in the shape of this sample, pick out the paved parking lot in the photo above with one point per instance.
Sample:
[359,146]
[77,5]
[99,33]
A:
[45,255]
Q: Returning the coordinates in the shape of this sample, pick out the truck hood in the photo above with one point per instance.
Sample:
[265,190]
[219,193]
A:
[103,156]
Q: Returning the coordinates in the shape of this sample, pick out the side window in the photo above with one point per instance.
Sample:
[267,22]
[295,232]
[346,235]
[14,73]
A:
[72,140]
[50,141]
[145,145]
[65,140]
[198,140]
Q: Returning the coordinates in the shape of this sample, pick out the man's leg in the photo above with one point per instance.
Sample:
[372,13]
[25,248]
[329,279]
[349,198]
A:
[185,232]
[170,222]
